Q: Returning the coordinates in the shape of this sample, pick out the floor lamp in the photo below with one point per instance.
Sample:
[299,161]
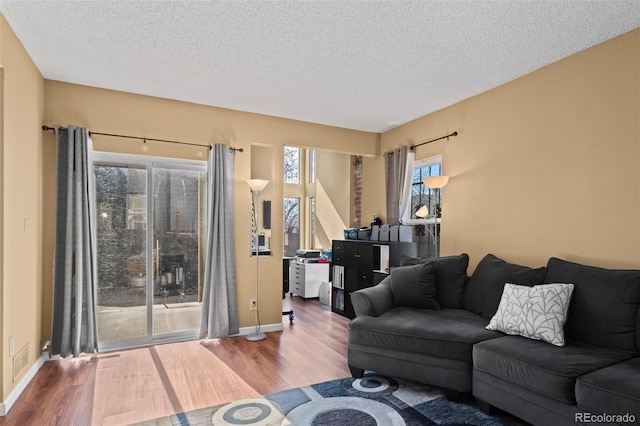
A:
[256,185]
[436,183]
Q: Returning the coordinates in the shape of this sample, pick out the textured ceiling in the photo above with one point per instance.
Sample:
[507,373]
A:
[366,65]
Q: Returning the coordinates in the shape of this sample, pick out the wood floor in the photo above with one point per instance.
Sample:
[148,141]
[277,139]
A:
[141,384]
[125,387]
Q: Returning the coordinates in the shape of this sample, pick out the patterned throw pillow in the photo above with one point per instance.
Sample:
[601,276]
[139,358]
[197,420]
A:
[537,312]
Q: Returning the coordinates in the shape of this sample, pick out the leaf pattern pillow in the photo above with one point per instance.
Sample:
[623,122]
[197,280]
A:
[537,312]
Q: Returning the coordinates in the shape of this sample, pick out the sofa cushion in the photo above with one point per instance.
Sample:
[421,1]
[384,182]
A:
[539,367]
[604,305]
[482,293]
[537,312]
[638,330]
[614,389]
[414,286]
[448,333]
[451,276]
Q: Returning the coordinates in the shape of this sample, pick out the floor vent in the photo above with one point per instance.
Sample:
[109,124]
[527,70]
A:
[98,358]
[20,361]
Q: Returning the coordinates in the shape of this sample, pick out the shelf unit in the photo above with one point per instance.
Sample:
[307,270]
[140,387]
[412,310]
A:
[359,264]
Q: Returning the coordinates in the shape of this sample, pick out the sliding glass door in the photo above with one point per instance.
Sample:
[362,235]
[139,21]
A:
[149,233]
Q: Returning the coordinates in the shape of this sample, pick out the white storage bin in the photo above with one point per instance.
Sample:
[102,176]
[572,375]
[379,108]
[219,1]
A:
[325,293]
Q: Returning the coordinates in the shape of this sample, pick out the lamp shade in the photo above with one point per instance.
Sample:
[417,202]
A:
[435,182]
[422,212]
[257,185]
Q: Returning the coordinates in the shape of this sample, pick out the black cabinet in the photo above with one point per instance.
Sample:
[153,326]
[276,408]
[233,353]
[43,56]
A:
[358,255]
[361,264]
[285,275]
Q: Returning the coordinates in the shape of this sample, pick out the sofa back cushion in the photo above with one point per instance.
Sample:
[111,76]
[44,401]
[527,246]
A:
[604,306]
[484,290]
[451,276]
[638,330]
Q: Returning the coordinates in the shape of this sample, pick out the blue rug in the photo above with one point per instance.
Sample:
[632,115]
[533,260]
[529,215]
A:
[373,400]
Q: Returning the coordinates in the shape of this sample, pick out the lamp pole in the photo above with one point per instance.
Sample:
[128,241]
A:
[436,183]
[257,185]
[436,225]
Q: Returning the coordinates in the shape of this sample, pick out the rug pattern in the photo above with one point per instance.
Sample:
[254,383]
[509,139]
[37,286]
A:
[373,400]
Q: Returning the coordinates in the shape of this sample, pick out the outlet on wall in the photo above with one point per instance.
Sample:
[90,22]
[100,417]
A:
[253,304]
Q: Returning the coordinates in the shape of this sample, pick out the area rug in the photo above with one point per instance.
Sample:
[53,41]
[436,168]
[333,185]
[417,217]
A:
[373,400]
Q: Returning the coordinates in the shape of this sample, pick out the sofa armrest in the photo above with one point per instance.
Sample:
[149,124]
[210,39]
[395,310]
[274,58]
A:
[373,301]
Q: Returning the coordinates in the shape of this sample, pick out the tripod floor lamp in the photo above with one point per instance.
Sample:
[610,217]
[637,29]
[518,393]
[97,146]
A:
[436,183]
[256,185]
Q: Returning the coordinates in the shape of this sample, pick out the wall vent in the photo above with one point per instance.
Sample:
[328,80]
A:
[20,361]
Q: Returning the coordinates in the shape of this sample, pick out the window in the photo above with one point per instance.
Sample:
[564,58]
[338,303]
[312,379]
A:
[420,194]
[291,205]
[291,226]
[291,165]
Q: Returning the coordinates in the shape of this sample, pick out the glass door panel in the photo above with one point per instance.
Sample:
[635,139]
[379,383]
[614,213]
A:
[121,252]
[178,209]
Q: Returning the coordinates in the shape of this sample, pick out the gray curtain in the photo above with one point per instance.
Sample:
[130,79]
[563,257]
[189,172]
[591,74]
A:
[219,304]
[395,167]
[74,294]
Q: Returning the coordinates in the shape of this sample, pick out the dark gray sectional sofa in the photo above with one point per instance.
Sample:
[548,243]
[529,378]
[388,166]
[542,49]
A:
[593,377]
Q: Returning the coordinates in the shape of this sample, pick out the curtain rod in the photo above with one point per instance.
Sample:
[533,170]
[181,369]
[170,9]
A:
[47,128]
[413,147]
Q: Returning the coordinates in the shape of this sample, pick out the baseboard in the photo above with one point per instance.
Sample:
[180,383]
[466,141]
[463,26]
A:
[263,328]
[6,405]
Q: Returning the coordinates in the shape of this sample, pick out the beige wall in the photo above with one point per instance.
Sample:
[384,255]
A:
[21,208]
[108,111]
[261,168]
[333,196]
[546,165]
